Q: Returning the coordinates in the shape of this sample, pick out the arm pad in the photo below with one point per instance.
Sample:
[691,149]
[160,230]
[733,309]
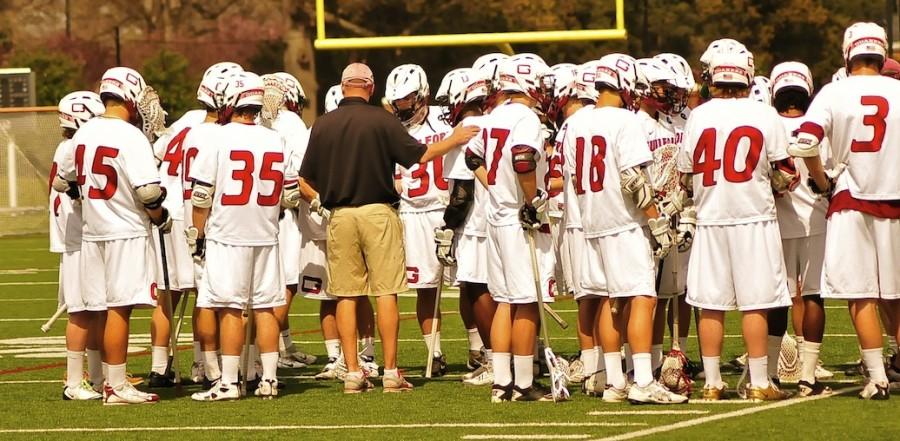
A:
[524,159]
[59,184]
[151,195]
[461,197]
[473,161]
[804,145]
[636,185]
[202,194]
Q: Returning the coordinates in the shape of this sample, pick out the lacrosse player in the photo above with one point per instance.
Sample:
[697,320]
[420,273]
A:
[511,148]
[736,215]
[862,247]
[84,330]
[114,171]
[238,177]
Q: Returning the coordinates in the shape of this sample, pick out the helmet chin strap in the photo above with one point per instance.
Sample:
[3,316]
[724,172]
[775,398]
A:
[413,117]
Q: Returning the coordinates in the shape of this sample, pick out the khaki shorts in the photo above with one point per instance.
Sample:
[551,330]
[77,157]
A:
[365,252]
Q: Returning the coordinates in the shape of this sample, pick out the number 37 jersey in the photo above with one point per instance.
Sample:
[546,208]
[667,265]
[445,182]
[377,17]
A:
[246,164]
[728,147]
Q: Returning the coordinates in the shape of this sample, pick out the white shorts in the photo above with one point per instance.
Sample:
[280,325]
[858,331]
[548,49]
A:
[573,247]
[70,292]
[471,259]
[178,258]
[619,265]
[119,271]
[234,273]
[738,267]
[510,271]
[803,259]
[314,270]
[668,286]
[862,257]
[289,247]
[422,266]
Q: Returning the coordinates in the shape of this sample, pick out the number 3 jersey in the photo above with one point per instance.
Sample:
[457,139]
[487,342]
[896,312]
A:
[509,125]
[112,159]
[860,115]
[424,185]
[728,147]
[246,165]
[598,144]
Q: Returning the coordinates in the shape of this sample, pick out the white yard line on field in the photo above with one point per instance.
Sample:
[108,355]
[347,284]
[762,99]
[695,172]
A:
[36,299]
[27,283]
[647,412]
[722,416]
[315,427]
[537,436]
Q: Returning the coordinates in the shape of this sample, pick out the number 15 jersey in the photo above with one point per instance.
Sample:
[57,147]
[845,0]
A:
[246,164]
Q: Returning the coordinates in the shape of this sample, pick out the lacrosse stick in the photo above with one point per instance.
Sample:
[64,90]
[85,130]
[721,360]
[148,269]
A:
[557,374]
[673,373]
[248,328]
[172,366]
[434,322]
[555,316]
[56,315]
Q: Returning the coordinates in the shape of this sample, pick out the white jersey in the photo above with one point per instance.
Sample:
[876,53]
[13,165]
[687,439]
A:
[312,226]
[729,145]
[800,212]
[191,147]
[424,187]
[168,150]
[596,154]
[455,160]
[112,159]
[508,125]
[860,115]
[246,163]
[65,214]
[476,220]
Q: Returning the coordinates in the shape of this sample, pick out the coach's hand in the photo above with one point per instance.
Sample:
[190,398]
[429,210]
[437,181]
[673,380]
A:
[662,232]
[444,246]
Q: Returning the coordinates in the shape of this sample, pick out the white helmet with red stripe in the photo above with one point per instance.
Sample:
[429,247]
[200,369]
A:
[210,91]
[619,72]
[722,45]
[791,74]
[732,65]
[585,79]
[77,108]
[681,66]
[243,89]
[864,39]
[563,88]
[529,74]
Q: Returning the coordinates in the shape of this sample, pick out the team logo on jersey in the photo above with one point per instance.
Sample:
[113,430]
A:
[412,274]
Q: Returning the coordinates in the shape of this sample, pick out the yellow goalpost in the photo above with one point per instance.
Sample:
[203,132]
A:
[502,39]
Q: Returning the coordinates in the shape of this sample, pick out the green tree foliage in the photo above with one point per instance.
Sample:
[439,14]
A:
[167,72]
[56,73]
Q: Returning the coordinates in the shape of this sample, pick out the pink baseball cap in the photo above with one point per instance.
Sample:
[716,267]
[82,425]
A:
[355,73]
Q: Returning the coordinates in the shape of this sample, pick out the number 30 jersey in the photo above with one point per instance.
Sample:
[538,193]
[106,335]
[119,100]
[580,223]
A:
[246,164]
[728,147]
[860,115]
[424,185]
[112,159]
[595,155]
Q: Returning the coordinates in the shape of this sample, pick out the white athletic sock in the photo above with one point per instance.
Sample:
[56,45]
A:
[95,366]
[211,365]
[74,368]
[230,365]
[333,348]
[502,371]
[368,346]
[809,358]
[589,359]
[656,355]
[437,343]
[105,368]
[614,375]
[773,350]
[198,352]
[286,343]
[524,369]
[643,368]
[799,339]
[629,364]
[874,363]
[711,371]
[269,364]
[393,373]
[759,374]
[115,375]
[682,343]
[159,358]
[601,362]
[475,343]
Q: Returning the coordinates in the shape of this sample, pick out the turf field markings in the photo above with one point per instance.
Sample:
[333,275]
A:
[724,415]
[27,283]
[30,382]
[647,412]
[26,271]
[538,436]
[37,299]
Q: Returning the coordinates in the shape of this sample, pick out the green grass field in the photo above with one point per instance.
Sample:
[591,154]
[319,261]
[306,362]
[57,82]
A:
[32,365]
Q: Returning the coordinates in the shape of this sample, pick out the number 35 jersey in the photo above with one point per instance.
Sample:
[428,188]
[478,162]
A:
[424,185]
[860,115]
[112,159]
[246,164]
[728,147]
[598,144]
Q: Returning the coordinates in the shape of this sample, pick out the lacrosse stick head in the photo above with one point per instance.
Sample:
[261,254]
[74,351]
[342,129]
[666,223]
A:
[274,97]
[788,361]
[673,375]
[558,380]
[152,115]
[664,171]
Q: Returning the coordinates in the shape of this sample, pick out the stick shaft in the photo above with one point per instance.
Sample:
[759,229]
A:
[556,317]
[434,323]
[56,315]
[545,335]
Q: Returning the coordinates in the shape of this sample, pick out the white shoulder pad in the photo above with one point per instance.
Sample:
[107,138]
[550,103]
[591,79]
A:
[202,194]
[636,185]
[804,145]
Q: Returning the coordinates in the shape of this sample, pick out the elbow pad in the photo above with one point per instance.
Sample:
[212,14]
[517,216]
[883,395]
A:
[290,195]
[473,161]
[461,197]
[636,185]
[804,145]
[202,194]
[151,195]
[784,176]
[59,184]
[524,159]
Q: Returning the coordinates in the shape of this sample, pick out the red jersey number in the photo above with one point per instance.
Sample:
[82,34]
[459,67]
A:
[244,175]
[189,154]
[173,154]
[420,173]
[501,135]
[706,164]
[597,168]
[877,121]
[98,167]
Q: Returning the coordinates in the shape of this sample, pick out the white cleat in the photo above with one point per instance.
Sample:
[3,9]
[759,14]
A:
[218,392]
[84,391]
[875,391]
[654,393]
[369,366]
[288,362]
[267,389]
[483,376]
[126,394]
[198,373]
[822,373]
[613,394]
[329,371]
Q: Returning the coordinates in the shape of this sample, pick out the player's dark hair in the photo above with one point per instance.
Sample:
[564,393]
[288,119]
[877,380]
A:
[866,60]
[729,90]
[109,98]
[791,98]
[248,111]
[68,133]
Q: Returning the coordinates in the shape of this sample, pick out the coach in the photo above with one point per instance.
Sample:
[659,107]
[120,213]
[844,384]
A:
[348,170]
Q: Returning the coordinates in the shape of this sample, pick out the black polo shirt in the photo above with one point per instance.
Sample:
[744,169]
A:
[352,152]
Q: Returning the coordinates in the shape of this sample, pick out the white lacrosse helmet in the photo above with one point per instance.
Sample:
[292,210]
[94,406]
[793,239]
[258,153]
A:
[294,96]
[791,74]
[243,89]
[489,66]
[451,94]
[223,69]
[403,81]
[124,83]
[333,97]
[718,46]
[864,39]
[619,72]
[529,74]
[210,91]
[77,108]
[657,84]
[563,88]
[761,90]
[585,79]
[681,66]
[733,65]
